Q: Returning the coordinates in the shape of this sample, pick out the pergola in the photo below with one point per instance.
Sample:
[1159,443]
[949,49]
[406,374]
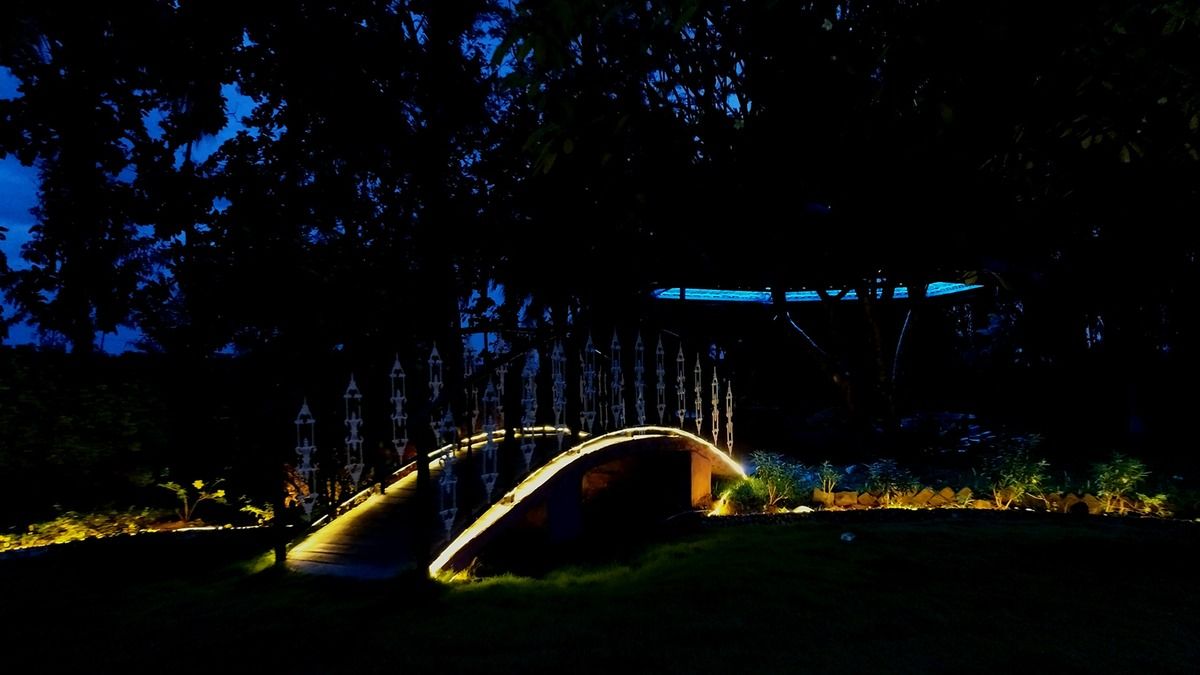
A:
[766,296]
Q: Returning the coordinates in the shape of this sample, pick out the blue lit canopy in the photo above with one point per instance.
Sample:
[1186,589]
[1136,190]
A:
[935,289]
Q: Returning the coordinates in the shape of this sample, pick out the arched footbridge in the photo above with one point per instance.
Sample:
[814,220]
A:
[377,538]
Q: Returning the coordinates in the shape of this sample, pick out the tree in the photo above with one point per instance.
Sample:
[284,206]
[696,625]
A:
[78,118]
[902,142]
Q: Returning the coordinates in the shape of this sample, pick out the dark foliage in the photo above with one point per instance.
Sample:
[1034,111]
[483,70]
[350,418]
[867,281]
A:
[402,155]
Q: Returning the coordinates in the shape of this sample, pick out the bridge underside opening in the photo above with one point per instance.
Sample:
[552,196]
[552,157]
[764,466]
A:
[607,512]
[638,488]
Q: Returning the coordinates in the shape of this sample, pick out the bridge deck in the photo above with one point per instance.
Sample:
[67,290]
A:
[373,541]
[378,539]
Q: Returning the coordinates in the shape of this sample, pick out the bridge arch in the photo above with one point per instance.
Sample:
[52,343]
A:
[562,476]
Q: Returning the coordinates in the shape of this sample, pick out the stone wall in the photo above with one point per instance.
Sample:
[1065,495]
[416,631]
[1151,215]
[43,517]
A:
[948,497]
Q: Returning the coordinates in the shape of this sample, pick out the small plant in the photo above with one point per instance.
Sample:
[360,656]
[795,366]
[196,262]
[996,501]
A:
[829,476]
[781,478]
[1116,479]
[1154,505]
[262,514]
[189,499]
[886,479]
[1013,472]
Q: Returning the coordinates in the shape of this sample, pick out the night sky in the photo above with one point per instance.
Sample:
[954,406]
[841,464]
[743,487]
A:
[18,194]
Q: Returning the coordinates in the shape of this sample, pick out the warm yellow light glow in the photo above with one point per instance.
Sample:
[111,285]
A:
[544,430]
[324,529]
[437,454]
[335,528]
[349,503]
[722,507]
[720,454]
[61,539]
[540,477]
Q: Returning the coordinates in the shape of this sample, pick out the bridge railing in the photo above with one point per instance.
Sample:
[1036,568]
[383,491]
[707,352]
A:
[594,387]
[461,446]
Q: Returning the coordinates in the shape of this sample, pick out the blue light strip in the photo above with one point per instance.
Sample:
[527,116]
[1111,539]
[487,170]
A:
[713,295]
[935,289]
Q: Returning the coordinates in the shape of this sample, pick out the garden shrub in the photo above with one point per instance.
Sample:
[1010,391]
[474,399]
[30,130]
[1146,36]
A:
[783,480]
[746,495]
[1157,504]
[72,526]
[828,476]
[1116,480]
[887,480]
[1012,471]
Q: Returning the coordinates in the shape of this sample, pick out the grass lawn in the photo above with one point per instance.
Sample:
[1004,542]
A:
[962,593]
